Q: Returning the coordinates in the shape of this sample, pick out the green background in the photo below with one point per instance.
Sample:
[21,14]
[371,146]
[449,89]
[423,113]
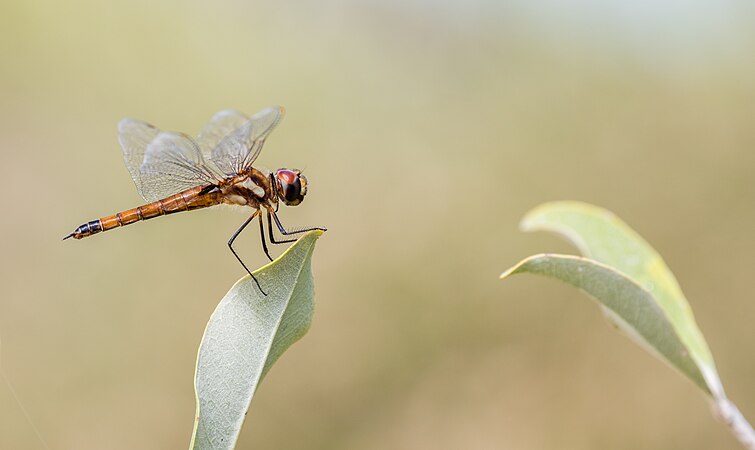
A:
[426,131]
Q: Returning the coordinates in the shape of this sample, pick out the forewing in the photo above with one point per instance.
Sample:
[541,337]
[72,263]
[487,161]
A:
[220,125]
[263,123]
[162,163]
[235,141]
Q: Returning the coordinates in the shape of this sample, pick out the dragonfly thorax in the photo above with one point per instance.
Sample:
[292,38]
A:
[248,189]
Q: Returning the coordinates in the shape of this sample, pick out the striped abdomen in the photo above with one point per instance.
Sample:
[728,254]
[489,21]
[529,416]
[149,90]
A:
[187,200]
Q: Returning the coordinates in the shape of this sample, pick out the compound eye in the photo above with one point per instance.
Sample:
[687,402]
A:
[292,192]
[290,186]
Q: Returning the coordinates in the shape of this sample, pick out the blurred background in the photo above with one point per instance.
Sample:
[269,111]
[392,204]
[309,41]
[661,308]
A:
[427,130]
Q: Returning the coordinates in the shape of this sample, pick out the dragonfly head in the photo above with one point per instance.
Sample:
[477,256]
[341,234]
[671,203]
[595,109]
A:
[291,186]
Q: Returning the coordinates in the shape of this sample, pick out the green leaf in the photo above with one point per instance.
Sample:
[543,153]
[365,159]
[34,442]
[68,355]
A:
[244,337]
[641,315]
[603,237]
[636,291]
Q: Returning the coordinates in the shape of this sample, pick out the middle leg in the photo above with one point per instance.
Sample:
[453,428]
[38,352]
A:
[262,235]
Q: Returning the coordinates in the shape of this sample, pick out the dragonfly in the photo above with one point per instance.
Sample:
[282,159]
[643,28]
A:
[175,173]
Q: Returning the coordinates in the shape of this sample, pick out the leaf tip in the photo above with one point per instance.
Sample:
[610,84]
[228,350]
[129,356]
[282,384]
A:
[512,270]
[536,219]
[516,268]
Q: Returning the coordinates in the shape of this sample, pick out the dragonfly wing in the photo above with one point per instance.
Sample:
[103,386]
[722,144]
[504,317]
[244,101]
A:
[263,123]
[234,141]
[229,152]
[162,163]
[220,125]
[134,137]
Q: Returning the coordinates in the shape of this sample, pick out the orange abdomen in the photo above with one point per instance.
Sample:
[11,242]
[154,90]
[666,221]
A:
[194,198]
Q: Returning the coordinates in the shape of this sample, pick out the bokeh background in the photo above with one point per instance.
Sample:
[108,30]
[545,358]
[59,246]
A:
[427,129]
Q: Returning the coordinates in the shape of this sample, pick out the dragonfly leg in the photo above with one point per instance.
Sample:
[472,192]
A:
[270,231]
[262,235]
[230,246]
[289,233]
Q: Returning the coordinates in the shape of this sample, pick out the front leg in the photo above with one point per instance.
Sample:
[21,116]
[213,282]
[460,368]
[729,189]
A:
[270,231]
[283,231]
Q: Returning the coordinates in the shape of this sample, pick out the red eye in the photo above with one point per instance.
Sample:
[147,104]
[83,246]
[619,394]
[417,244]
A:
[287,176]
[290,186]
